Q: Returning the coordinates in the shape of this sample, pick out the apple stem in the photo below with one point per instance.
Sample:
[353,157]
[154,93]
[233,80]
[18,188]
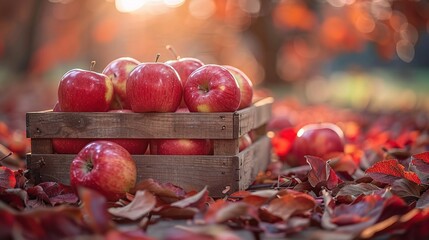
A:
[173,51]
[157,57]
[91,68]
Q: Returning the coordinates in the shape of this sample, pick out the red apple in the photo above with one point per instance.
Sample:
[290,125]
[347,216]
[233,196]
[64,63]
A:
[132,145]
[105,167]
[321,140]
[246,86]
[85,91]
[180,147]
[184,67]
[212,88]
[118,70]
[69,145]
[154,87]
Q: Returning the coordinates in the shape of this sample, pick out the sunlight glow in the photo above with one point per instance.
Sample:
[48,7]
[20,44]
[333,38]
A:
[127,6]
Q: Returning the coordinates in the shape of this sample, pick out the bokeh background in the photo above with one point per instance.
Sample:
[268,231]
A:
[358,54]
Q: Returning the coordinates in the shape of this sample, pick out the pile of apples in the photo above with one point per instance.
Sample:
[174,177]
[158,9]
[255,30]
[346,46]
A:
[127,85]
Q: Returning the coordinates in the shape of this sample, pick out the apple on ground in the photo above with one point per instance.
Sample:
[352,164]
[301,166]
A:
[212,88]
[85,91]
[105,167]
[180,147]
[118,71]
[154,87]
[246,86]
[323,140]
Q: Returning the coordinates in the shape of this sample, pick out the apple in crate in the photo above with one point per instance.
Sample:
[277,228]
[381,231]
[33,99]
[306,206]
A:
[244,142]
[322,140]
[180,147]
[105,167]
[154,87]
[212,88]
[118,70]
[246,86]
[85,91]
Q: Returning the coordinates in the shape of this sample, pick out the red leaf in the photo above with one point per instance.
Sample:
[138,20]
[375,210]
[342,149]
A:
[290,203]
[421,162]
[198,200]
[387,171]
[423,202]
[222,211]
[354,217]
[141,205]
[7,178]
[321,173]
[355,190]
[53,193]
[7,221]
[129,235]
[15,198]
[94,210]
[167,192]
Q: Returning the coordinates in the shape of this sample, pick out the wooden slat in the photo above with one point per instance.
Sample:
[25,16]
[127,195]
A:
[188,172]
[41,145]
[226,146]
[255,116]
[253,160]
[130,125]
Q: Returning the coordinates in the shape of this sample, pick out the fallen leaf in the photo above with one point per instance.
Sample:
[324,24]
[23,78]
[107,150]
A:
[406,189]
[290,203]
[388,171]
[355,190]
[321,173]
[94,210]
[423,201]
[421,163]
[141,205]
[221,211]
[198,200]
[167,192]
[7,178]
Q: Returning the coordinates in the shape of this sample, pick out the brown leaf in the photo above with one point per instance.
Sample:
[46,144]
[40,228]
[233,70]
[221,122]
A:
[198,200]
[405,188]
[387,171]
[222,211]
[94,210]
[321,173]
[167,192]
[141,205]
[423,202]
[355,190]
[290,204]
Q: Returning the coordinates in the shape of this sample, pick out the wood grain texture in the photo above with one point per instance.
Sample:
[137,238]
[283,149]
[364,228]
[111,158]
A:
[255,116]
[226,146]
[41,145]
[48,124]
[254,160]
[130,125]
[188,172]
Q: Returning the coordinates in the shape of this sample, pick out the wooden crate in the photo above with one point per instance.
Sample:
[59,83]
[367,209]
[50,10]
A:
[226,168]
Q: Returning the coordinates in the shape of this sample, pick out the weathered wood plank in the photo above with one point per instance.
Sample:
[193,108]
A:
[130,125]
[226,146]
[188,172]
[253,160]
[255,116]
[41,145]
